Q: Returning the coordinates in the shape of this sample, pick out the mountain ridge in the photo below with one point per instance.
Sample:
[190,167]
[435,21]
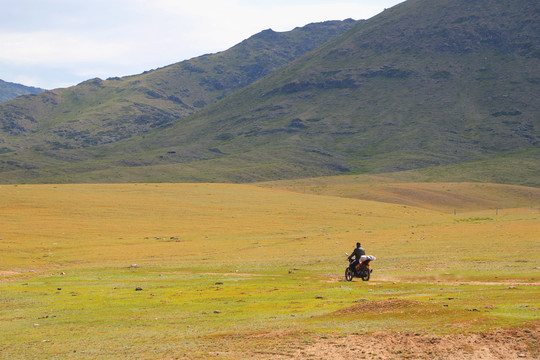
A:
[422,85]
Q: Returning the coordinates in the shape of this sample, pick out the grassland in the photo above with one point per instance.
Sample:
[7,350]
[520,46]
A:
[239,271]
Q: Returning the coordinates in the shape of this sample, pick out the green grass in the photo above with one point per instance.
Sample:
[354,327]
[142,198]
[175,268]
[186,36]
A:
[99,313]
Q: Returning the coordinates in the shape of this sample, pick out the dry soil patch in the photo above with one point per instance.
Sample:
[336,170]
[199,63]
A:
[503,344]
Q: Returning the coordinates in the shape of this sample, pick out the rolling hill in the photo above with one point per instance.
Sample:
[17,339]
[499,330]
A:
[424,86]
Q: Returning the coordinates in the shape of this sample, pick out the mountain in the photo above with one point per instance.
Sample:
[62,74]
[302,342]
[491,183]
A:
[97,112]
[10,90]
[425,85]
[422,84]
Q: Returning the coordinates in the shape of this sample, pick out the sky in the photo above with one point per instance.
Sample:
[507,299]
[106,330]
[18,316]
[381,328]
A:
[60,43]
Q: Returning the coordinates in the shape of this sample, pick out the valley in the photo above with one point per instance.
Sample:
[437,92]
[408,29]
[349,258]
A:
[204,209]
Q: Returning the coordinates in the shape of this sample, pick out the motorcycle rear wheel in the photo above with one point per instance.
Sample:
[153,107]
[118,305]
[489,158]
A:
[366,275]
[348,274]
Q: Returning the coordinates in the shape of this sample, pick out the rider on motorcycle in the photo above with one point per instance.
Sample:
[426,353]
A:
[356,254]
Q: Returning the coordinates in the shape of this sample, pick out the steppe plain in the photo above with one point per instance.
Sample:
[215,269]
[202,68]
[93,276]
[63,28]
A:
[223,271]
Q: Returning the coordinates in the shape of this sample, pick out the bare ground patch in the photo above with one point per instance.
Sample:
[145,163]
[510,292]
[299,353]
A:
[518,343]
[502,344]
[380,306]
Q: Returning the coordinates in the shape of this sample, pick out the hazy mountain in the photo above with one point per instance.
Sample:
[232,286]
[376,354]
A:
[10,90]
[425,83]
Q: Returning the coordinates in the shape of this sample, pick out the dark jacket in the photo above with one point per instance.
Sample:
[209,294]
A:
[359,251]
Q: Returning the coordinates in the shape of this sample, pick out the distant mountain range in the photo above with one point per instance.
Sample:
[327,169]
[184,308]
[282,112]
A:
[10,90]
[437,87]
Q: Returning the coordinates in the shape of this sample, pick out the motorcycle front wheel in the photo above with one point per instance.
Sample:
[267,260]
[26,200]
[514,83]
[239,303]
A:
[348,274]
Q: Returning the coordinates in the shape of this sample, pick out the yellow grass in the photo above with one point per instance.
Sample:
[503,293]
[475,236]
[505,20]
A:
[58,226]
[270,260]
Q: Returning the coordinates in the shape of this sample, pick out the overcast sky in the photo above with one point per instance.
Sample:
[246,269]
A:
[59,43]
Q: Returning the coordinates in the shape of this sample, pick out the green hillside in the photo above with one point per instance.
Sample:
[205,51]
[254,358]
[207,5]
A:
[423,84]
[441,88]
[99,112]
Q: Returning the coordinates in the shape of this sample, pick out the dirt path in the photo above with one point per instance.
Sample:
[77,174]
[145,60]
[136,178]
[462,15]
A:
[476,283]
[387,280]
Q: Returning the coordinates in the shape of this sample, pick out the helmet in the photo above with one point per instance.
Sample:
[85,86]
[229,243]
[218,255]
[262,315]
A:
[358,244]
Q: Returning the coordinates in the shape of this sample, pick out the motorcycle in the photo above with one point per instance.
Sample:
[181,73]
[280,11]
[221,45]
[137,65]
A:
[363,270]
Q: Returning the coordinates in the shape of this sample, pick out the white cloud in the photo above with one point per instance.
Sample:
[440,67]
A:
[55,47]
[123,37]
